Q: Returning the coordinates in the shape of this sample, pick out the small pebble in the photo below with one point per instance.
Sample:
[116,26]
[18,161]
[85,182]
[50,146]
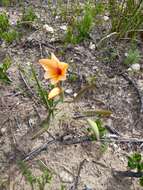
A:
[68,91]
[66,177]
[135,67]
[48,28]
[130,70]
[64,27]
[75,94]
[126,54]
[3,130]
[105,18]
[92,46]
[95,68]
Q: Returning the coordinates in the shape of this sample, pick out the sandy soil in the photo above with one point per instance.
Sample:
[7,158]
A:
[19,112]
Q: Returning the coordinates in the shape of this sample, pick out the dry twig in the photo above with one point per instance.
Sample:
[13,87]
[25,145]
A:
[78,140]
[75,185]
[139,93]
[127,174]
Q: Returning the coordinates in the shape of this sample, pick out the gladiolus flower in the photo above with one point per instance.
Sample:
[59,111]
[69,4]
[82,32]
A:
[54,92]
[55,70]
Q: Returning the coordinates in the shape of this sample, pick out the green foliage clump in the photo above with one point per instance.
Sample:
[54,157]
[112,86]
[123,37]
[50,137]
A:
[133,57]
[27,173]
[5,2]
[73,77]
[29,15]
[7,33]
[96,129]
[4,23]
[80,26]
[135,162]
[10,36]
[3,70]
[38,181]
[126,16]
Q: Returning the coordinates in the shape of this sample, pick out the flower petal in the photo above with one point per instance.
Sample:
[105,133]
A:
[55,70]
[48,64]
[54,92]
[53,57]
[54,80]
[62,77]
[63,65]
[47,75]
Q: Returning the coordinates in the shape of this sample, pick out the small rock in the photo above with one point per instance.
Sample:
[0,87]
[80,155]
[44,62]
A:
[64,27]
[91,46]
[68,91]
[3,130]
[130,70]
[115,146]
[13,22]
[105,18]
[135,67]
[66,177]
[93,106]
[95,68]
[28,63]
[48,28]
[52,40]
[57,17]
[38,15]
[126,54]
[75,94]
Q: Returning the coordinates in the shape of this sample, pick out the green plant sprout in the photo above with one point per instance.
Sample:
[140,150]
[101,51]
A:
[50,104]
[80,25]
[126,17]
[56,70]
[135,162]
[10,36]
[133,57]
[96,129]
[28,17]
[3,70]
[79,30]
[5,3]
[42,95]
[7,32]
[4,23]
[72,77]
[63,187]
[38,181]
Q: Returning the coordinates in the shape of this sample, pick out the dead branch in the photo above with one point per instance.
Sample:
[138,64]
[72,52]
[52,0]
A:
[35,152]
[139,93]
[128,174]
[75,185]
[78,140]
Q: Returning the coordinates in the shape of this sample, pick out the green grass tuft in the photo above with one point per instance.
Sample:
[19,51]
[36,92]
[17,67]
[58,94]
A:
[3,70]
[133,57]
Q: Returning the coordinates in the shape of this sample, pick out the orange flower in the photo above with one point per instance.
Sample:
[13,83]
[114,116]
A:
[54,92]
[55,70]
